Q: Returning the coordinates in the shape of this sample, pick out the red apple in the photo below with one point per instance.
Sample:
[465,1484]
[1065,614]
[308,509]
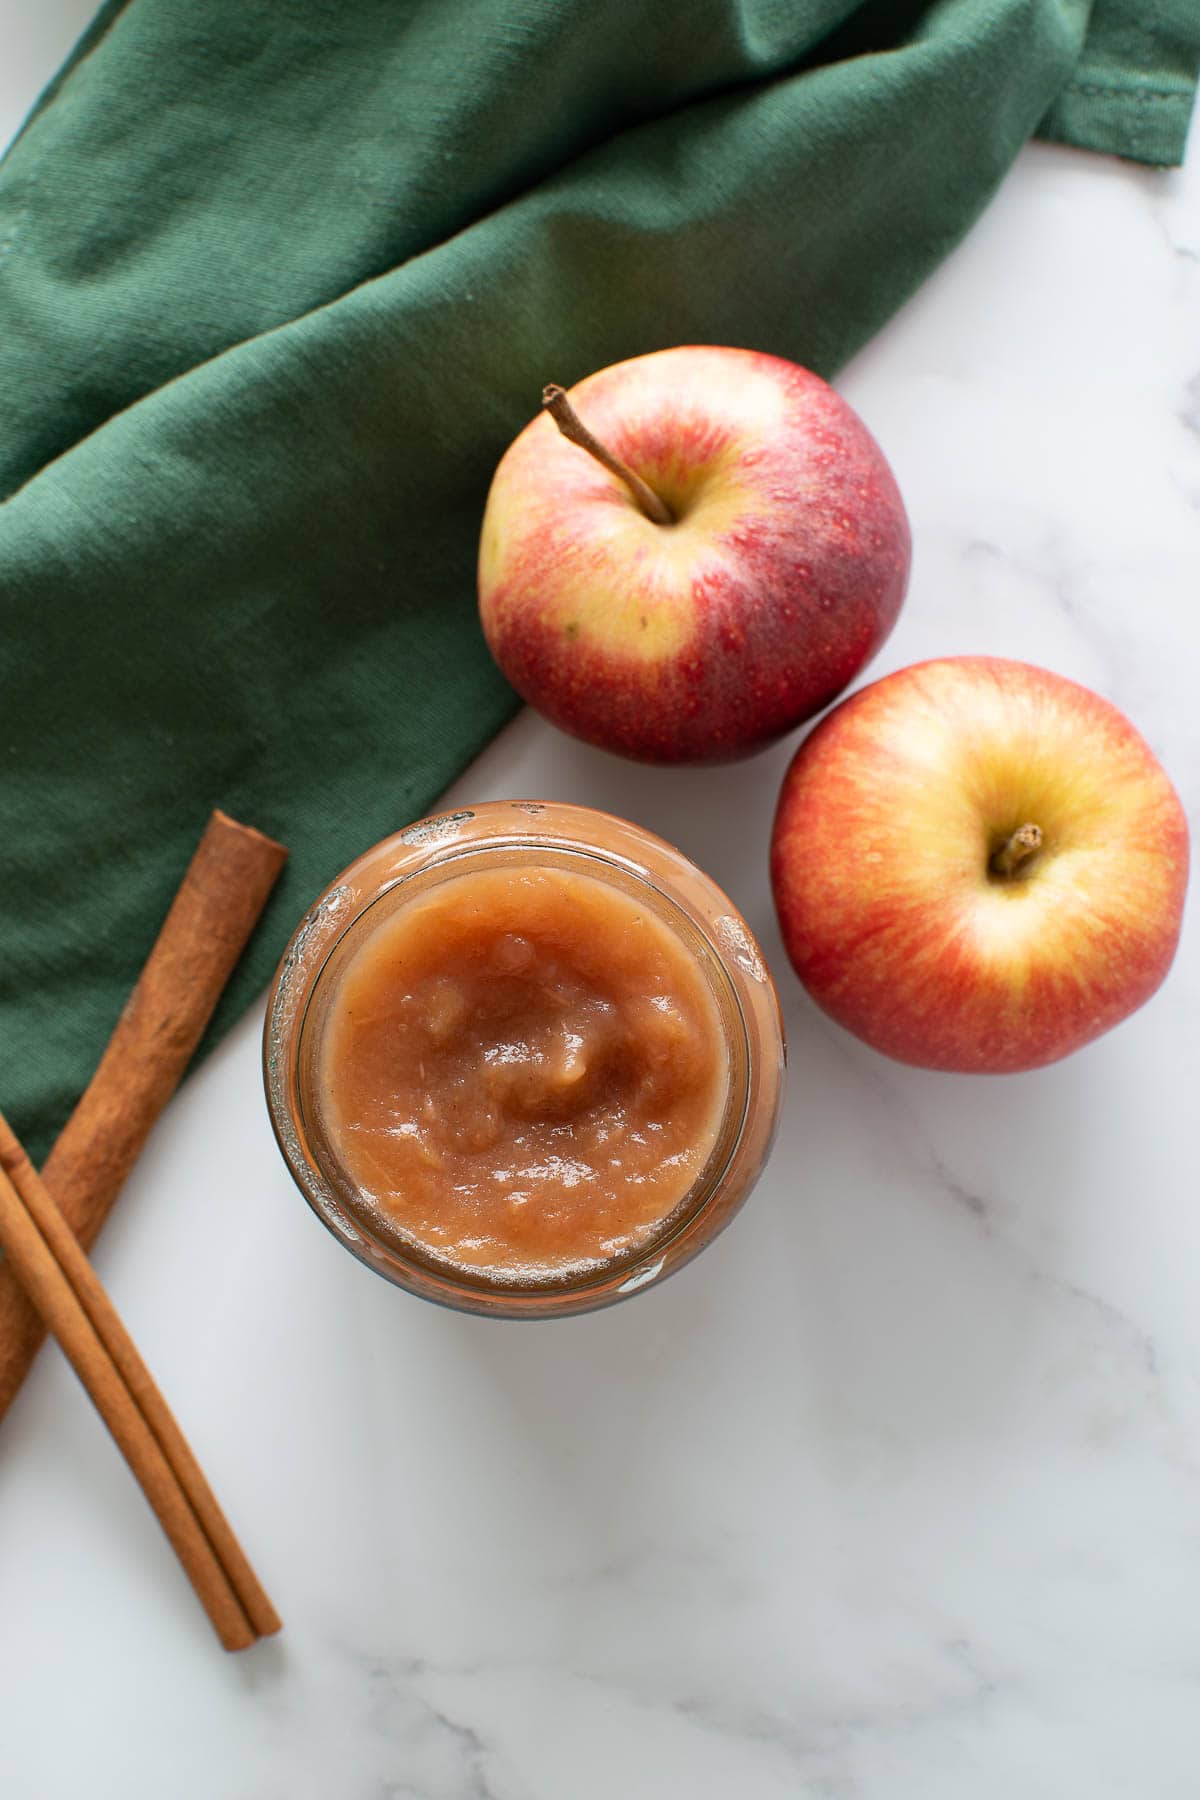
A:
[773,569]
[978,865]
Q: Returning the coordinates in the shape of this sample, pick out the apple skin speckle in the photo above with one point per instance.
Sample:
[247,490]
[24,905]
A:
[706,639]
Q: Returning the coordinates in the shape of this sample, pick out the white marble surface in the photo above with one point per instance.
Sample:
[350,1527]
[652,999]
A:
[895,1494]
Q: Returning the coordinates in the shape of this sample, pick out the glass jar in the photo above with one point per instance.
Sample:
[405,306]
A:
[512,835]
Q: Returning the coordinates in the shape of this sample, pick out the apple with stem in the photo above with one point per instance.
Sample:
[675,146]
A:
[978,865]
[690,553]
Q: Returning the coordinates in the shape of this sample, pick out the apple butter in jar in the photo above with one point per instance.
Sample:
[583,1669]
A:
[524,1059]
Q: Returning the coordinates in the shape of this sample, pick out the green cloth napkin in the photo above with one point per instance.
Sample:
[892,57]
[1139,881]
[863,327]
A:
[277,286]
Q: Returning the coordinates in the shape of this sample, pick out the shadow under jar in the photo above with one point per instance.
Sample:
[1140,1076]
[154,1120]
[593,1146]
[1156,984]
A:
[524,1059]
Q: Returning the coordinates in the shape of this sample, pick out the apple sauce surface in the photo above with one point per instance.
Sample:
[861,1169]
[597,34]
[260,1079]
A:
[523,1072]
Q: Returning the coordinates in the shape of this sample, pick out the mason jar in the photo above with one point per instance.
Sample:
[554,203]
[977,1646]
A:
[400,884]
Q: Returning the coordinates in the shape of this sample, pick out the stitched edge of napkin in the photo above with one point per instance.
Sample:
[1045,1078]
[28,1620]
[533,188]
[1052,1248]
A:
[1134,88]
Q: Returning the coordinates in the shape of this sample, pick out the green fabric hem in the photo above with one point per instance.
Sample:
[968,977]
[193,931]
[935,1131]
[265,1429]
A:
[1144,124]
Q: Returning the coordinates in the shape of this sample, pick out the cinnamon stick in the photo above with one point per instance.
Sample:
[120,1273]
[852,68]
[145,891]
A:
[61,1283]
[213,913]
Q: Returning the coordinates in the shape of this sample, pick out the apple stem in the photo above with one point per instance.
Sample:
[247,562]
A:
[555,402]
[1016,850]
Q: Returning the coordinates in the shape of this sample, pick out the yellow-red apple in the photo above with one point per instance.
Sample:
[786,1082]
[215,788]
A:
[978,865]
[724,561]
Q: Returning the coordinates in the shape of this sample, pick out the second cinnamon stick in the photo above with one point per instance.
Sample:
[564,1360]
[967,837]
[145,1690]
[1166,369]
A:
[62,1284]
